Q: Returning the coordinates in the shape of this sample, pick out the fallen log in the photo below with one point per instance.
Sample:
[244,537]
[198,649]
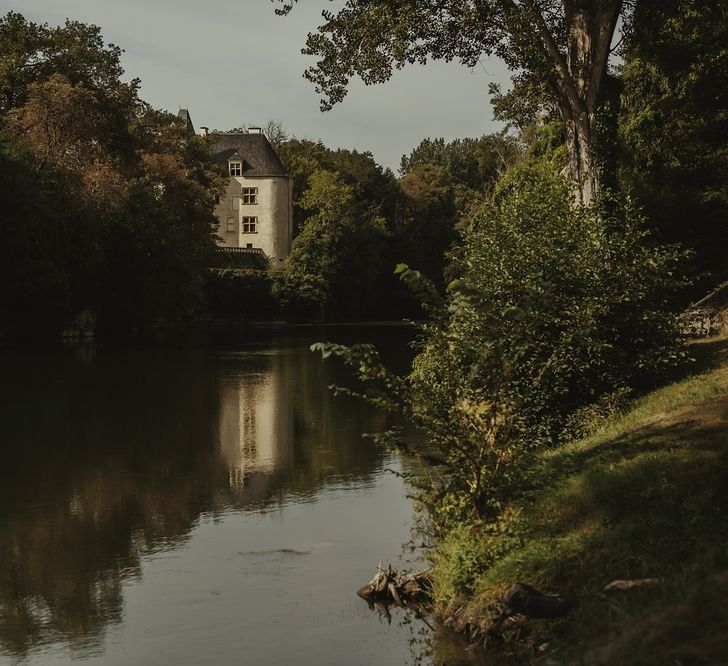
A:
[631,584]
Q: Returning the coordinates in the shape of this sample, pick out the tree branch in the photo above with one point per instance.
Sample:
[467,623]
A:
[607,23]
[562,70]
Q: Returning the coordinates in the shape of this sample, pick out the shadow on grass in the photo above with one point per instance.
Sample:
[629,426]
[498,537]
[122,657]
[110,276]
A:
[622,448]
[657,492]
[709,354]
[651,502]
[646,497]
[682,623]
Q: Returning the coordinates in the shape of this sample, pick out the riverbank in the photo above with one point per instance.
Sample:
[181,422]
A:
[645,496]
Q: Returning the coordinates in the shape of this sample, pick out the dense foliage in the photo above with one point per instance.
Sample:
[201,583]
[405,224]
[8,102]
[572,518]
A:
[473,163]
[106,202]
[673,126]
[558,306]
[338,253]
[354,221]
[239,295]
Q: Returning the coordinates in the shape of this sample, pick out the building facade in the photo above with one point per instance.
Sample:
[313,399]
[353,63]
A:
[255,212]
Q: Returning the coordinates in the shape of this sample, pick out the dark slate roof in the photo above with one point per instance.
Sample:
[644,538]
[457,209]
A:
[259,158]
[184,116]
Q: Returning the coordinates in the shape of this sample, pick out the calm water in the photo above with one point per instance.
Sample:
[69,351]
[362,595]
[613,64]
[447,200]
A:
[204,504]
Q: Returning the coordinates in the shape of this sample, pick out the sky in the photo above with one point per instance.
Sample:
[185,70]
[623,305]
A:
[234,62]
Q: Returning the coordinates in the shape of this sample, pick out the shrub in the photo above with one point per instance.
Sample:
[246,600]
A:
[557,307]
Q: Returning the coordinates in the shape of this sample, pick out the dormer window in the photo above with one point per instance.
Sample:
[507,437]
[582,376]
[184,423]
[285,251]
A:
[236,168]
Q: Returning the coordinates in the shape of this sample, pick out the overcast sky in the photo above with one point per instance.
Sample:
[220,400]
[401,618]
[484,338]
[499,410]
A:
[232,62]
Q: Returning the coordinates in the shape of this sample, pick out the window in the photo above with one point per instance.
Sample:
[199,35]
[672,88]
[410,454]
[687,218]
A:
[217,199]
[236,203]
[236,168]
[231,225]
[250,195]
[250,225]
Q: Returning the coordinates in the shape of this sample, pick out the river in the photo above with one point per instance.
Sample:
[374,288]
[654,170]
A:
[197,504]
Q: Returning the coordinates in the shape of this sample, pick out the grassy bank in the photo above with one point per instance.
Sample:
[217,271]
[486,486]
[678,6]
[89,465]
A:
[644,496]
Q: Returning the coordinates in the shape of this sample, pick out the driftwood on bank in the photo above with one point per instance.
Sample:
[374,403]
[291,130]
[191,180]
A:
[507,619]
[631,584]
[397,588]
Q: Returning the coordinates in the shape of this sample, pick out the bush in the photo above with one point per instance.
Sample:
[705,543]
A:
[557,307]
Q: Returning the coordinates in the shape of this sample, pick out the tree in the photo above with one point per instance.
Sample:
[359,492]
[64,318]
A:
[564,44]
[32,53]
[159,242]
[673,124]
[336,259]
[374,190]
[108,201]
[474,163]
[432,204]
[46,247]
[276,133]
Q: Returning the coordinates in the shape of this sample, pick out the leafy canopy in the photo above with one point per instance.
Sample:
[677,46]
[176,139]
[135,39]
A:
[372,38]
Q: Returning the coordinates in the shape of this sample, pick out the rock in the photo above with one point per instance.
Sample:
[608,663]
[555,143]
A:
[525,600]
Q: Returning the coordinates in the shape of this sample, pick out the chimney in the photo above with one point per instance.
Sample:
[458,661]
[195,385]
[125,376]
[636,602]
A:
[255,130]
[203,131]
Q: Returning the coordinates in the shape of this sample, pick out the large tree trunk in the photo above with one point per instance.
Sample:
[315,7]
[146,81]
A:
[577,79]
[583,171]
[590,25]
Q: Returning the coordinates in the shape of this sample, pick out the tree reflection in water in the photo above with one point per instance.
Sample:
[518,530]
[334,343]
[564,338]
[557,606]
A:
[109,455]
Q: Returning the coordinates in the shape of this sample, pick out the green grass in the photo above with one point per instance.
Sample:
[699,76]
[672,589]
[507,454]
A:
[645,496]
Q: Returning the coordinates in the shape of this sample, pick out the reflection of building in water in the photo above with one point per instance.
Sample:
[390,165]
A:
[255,419]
